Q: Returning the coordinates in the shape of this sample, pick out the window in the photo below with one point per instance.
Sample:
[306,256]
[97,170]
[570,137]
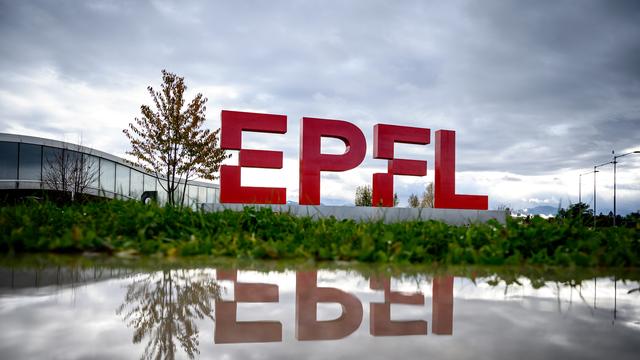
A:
[162,195]
[202,194]
[107,176]
[30,163]
[8,160]
[137,184]
[52,167]
[91,169]
[8,164]
[192,196]
[149,183]
[122,180]
[210,195]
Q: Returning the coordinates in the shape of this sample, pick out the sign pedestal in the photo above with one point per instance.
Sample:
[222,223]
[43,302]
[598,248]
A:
[365,213]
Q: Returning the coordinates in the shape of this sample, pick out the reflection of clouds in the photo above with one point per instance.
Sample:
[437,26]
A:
[81,323]
[69,324]
[501,71]
[482,289]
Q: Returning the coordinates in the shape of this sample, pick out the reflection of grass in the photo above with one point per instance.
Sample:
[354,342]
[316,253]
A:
[132,227]
[538,275]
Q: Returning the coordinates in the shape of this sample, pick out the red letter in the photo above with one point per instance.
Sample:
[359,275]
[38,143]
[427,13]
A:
[308,295]
[228,330]
[442,316]
[445,177]
[312,161]
[381,323]
[233,123]
[384,137]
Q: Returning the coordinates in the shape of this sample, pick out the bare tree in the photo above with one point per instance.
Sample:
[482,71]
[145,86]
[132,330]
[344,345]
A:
[505,208]
[414,202]
[69,171]
[427,197]
[426,201]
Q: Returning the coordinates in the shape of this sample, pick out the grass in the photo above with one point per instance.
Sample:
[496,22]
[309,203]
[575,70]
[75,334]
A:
[128,227]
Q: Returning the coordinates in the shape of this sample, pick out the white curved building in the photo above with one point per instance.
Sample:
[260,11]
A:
[31,164]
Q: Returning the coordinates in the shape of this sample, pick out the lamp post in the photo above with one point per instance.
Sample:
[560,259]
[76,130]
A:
[595,170]
[580,185]
[615,162]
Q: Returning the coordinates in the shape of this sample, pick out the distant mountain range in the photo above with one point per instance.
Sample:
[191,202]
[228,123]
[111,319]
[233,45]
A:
[537,210]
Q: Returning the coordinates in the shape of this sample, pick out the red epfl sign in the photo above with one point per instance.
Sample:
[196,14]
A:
[313,161]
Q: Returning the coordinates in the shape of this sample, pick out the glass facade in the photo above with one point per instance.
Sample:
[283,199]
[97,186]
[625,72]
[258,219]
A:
[177,196]
[162,194]
[73,164]
[122,180]
[209,195]
[149,183]
[202,194]
[29,165]
[137,184]
[51,169]
[107,176]
[8,164]
[92,171]
[192,196]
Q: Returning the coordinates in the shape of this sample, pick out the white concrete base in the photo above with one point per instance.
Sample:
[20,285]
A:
[363,213]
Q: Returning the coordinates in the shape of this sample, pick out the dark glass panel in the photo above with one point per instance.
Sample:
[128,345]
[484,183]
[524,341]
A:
[91,168]
[30,162]
[52,168]
[8,160]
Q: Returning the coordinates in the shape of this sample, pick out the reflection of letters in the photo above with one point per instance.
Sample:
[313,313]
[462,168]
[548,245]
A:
[381,324]
[442,318]
[308,295]
[229,330]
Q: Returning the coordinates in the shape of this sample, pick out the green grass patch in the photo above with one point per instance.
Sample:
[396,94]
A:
[134,228]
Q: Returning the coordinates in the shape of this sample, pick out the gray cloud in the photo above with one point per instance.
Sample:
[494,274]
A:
[531,88]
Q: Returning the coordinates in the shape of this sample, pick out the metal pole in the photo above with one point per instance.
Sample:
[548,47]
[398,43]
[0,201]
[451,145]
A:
[595,170]
[580,185]
[615,297]
[614,191]
[615,166]
[594,197]
[580,189]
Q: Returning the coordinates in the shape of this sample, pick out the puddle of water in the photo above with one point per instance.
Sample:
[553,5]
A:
[101,310]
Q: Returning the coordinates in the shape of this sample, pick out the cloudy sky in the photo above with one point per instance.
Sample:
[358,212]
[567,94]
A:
[537,92]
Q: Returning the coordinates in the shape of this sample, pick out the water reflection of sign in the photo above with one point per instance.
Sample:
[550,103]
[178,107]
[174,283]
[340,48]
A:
[308,295]
[313,161]
[228,330]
